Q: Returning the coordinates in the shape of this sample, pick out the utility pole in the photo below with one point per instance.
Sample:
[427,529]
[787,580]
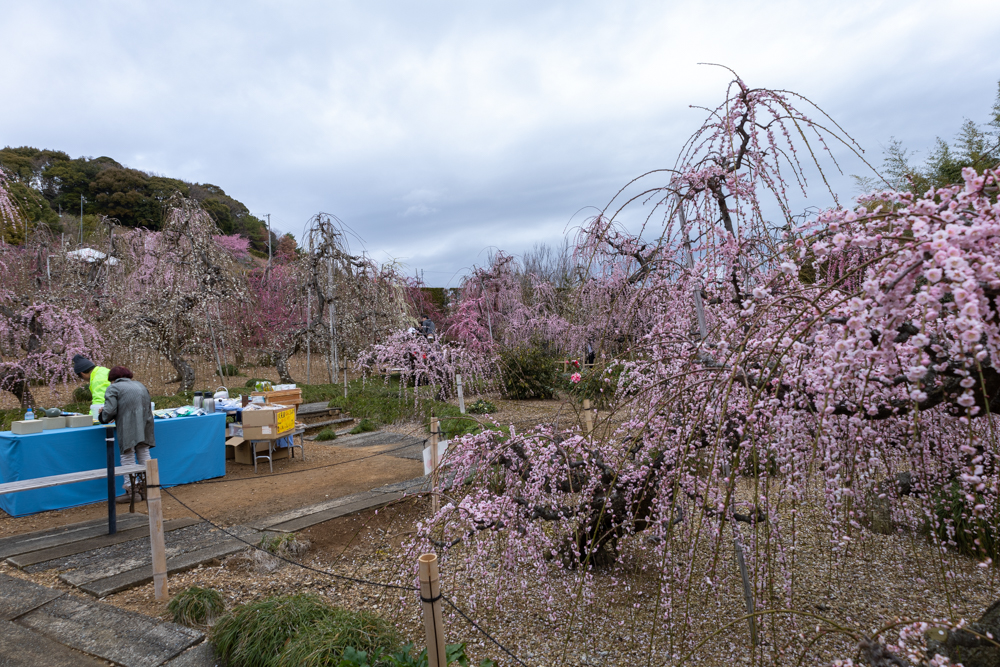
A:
[81,220]
[268,239]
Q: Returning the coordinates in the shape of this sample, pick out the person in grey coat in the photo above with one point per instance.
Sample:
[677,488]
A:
[127,403]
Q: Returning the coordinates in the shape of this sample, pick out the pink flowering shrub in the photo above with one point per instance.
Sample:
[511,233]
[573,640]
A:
[420,361]
[763,365]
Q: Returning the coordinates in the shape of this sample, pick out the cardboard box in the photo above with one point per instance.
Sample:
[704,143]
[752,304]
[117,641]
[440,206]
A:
[291,397]
[278,418]
[50,423]
[263,433]
[26,427]
[79,421]
[242,452]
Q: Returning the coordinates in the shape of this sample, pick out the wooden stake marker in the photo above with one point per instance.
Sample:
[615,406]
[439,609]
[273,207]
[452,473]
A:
[154,503]
[588,418]
[435,462]
[430,600]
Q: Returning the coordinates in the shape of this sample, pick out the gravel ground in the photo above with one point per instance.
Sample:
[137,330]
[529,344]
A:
[876,581]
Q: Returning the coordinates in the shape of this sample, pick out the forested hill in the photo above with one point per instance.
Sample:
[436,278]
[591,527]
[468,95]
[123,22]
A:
[47,183]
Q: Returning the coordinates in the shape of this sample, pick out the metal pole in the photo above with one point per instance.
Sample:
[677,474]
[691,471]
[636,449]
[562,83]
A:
[332,358]
[269,239]
[699,305]
[489,320]
[308,332]
[309,311]
[747,588]
[109,440]
[81,220]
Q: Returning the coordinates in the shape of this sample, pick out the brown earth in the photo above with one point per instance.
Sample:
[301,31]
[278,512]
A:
[242,496]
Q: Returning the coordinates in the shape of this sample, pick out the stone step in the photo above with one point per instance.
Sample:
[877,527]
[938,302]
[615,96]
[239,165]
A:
[81,546]
[123,637]
[18,597]
[319,426]
[20,647]
[44,539]
[180,563]
[108,561]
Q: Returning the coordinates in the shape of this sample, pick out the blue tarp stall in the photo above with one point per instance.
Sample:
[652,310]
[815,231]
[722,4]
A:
[188,449]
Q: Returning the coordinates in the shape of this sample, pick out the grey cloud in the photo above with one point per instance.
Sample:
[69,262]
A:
[439,129]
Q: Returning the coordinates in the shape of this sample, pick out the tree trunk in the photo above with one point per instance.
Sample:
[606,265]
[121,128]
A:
[281,363]
[185,373]
[13,380]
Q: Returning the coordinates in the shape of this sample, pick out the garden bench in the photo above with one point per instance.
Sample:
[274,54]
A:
[68,478]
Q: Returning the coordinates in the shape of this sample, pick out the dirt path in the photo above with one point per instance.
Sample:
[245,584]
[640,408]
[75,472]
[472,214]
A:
[242,496]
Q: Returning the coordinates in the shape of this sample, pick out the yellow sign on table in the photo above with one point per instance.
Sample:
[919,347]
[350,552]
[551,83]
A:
[285,420]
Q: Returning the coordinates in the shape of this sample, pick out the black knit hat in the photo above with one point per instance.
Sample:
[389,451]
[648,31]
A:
[82,364]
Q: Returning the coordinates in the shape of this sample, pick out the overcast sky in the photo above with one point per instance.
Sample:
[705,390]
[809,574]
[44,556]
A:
[439,130]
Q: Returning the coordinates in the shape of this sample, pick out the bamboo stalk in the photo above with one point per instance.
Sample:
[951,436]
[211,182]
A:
[588,417]
[430,598]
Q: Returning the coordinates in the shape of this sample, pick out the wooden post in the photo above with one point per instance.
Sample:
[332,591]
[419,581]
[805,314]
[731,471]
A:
[461,397]
[566,366]
[109,441]
[345,378]
[153,502]
[588,418]
[430,599]
[435,501]
[747,589]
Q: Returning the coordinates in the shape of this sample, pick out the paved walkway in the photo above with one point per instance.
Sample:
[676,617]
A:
[44,626]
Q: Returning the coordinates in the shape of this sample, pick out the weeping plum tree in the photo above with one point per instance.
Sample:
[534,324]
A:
[768,363]
[167,290]
[352,301]
[40,332]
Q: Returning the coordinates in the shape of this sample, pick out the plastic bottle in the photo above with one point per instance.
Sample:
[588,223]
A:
[198,398]
[29,415]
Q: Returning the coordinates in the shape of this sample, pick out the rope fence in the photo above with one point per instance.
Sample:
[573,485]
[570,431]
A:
[354,580]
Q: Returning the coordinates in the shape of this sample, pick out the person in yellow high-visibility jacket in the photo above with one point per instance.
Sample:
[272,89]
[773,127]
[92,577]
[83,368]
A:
[96,375]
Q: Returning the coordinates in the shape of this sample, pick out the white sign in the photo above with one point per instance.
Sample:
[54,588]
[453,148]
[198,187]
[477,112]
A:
[442,450]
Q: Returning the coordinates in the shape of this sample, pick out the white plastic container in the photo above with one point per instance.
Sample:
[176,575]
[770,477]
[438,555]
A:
[96,410]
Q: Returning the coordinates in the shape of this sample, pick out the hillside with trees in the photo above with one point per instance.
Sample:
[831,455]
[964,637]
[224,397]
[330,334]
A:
[47,185]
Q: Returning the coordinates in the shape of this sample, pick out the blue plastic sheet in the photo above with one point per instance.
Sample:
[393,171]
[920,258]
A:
[188,449]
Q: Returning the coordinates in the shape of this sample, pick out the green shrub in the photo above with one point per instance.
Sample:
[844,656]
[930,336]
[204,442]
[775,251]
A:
[8,416]
[288,545]
[82,395]
[364,426]
[527,373]
[454,655]
[597,384]
[316,393]
[229,370]
[327,640]
[955,523]
[385,403]
[326,434]
[196,607]
[297,631]
[482,407]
